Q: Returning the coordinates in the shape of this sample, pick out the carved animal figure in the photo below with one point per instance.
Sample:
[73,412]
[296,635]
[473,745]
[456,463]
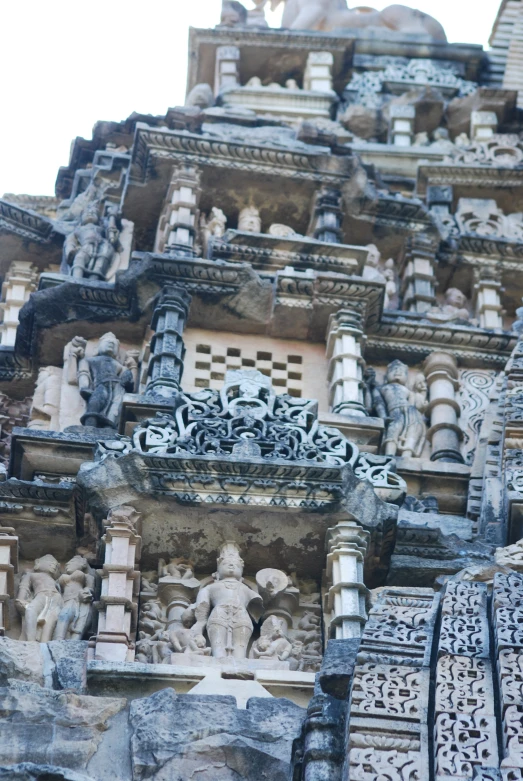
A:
[330,15]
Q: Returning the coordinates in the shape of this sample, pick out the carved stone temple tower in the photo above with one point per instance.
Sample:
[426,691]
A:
[261,431]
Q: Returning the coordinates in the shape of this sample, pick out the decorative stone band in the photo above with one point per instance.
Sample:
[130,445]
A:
[390,690]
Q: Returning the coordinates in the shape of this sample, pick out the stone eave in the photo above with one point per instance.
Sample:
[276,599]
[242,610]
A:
[463,175]
[492,247]
[403,161]
[154,145]
[414,341]
[28,236]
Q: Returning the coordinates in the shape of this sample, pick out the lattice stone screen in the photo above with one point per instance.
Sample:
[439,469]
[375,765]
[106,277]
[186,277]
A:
[299,369]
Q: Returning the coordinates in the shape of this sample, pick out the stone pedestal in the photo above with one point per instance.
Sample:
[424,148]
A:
[19,282]
[179,219]
[226,72]
[345,601]
[418,275]
[441,371]
[120,587]
[401,128]
[318,75]
[8,566]
[167,348]
[488,306]
[344,340]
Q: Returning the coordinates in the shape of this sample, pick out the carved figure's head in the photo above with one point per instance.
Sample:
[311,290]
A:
[76,563]
[108,345]
[249,220]
[398,372]
[373,258]
[263,643]
[200,641]
[90,214]
[454,297]
[49,565]
[188,618]
[420,383]
[230,564]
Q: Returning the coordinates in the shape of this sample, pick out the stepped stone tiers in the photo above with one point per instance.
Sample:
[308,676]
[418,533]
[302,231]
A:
[261,418]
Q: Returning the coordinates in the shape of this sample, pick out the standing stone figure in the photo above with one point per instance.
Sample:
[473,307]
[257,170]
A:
[39,600]
[403,410]
[249,220]
[89,250]
[77,585]
[103,379]
[225,607]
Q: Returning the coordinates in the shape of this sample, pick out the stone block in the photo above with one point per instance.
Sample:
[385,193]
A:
[28,771]
[176,737]
[337,668]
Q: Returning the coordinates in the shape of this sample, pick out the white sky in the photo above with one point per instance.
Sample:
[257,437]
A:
[68,64]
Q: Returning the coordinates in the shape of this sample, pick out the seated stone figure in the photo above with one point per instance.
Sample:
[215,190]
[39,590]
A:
[453,310]
[333,15]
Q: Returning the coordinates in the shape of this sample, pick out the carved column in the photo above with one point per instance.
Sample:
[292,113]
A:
[8,566]
[167,348]
[401,127]
[326,216]
[441,371]
[344,339]
[318,72]
[226,72]
[179,219]
[418,275]
[487,298]
[120,587]
[20,281]
[345,602]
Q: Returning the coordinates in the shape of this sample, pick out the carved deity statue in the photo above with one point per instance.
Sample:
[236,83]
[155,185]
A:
[90,248]
[77,585]
[249,220]
[453,310]
[224,608]
[39,600]
[330,15]
[403,410]
[102,379]
[273,642]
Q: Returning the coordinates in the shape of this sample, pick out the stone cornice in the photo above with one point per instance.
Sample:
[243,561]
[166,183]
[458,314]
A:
[25,223]
[152,143]
[467,176]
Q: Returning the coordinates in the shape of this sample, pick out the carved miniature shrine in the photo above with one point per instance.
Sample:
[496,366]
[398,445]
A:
[261,432]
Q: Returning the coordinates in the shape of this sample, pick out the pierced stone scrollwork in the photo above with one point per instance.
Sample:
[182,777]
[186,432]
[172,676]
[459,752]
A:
[246,419]
[505,150]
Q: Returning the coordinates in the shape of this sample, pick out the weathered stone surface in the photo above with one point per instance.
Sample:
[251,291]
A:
[28,771]
[364,121]
[69,657]
[44,726]
[428,103]
[21,660]
[337,668]
[183,737]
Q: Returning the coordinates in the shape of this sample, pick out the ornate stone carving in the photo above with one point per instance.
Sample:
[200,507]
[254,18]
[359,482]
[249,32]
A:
[485,218]
[102,379]
[77,584]
[39,600]
[249,220]
[404,408]
[329,15]
[91,247]
[45,407]
[475,737]
[503,149]
[453,310]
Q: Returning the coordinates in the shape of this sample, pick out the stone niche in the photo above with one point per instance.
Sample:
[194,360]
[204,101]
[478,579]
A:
[267,621]
[297,368]
[57,401]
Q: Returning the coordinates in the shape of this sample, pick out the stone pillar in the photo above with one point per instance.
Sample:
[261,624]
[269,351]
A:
[20,281]
[418,275]
[167,348]
[401,125]
[120,587]
[344,340]
[483,125]
[227,73]
[179,219]
[487,300]
[326,216]
[345,601]
[8,566]
[441,371]
[318,72]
